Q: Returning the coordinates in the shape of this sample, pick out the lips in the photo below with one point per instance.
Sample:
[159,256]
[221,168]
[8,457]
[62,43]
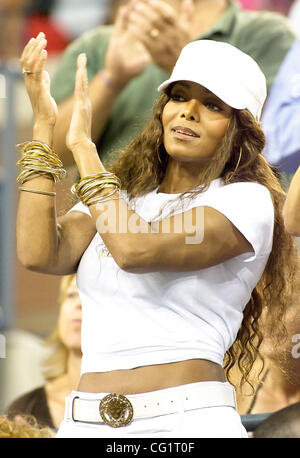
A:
[185,131]
[77,321]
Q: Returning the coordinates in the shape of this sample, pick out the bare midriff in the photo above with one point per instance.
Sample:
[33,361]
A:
[151,378]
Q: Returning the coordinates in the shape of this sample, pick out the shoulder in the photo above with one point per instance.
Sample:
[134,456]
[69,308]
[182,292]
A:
[247,187]
[269,19]
[92,38]
[242,189]
[80,207]
[248,203]
[247,197]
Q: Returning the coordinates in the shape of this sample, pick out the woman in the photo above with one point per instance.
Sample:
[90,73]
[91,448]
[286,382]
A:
[61,368]
[173,247]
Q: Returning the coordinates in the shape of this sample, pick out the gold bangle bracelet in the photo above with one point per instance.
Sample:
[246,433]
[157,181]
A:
[35,191]
[38,158]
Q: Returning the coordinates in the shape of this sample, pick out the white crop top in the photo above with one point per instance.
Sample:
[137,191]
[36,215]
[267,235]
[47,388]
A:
[131,320]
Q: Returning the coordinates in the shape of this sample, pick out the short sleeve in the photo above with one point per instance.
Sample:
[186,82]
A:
[80,207]
[250,209]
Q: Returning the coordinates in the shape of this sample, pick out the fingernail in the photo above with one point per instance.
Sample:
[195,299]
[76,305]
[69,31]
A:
[82,58]
[40,35]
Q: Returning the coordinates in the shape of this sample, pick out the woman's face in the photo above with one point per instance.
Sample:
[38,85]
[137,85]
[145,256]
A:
[194,123]
[69,323]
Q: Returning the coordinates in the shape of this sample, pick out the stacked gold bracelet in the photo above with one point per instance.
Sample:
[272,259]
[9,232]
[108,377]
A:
[39,159]
[90,188]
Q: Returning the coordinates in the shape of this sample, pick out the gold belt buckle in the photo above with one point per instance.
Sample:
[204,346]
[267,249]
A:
[116,410]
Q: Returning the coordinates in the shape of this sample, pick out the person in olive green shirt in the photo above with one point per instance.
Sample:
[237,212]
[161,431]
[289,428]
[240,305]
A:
[127,61]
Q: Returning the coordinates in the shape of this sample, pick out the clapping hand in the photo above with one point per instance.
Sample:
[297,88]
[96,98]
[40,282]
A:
[161,29]
[37,81]
[79,134]
[126,56]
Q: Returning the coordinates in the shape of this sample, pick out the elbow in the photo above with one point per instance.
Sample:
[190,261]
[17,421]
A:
[33,263]
[126,263]
[293,228]
[132,261]
[292,225]
[291,222]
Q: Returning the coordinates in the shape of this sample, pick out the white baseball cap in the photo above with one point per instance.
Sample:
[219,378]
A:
[229,73]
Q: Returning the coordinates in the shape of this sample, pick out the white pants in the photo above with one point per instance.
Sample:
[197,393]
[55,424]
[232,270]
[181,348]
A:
[205,422]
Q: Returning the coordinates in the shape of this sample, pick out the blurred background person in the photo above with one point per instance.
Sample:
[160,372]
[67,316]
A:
[23,428]
[12,26]
[61,368]
[277,383]
[284,424]
[281,116]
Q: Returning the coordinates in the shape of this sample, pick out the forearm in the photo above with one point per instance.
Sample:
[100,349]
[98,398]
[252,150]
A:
[102,93]
[291,209]
[136,245]
[187,241]
[37,232]
[112,218]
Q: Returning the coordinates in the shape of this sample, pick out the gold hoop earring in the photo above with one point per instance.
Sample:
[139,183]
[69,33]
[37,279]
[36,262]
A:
[230,175]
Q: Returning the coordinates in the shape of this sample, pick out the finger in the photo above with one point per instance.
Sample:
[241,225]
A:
[187,11]
[46,80]
[81,80]
[121,20]
[31,44]
[37,59]
[33,55]
[26,48]
[144,10]
[141,22]
[166,12]
[41,60]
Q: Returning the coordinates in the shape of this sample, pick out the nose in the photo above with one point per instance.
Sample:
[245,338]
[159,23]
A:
[191,111]
[77,302]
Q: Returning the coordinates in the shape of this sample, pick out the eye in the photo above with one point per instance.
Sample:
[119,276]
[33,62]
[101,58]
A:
[177,97]
[212,106]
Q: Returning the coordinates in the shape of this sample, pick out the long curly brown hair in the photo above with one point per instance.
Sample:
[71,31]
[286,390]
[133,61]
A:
[141,168]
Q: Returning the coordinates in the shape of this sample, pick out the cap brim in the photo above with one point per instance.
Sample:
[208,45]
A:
[219,92]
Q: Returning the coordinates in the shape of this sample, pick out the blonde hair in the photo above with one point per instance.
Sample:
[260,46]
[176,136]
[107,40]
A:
[25,427]
[55,364]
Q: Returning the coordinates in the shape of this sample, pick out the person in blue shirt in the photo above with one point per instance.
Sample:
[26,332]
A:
[281,117]
[291,209]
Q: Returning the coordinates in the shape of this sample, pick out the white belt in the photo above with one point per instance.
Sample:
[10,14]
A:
[118,410]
